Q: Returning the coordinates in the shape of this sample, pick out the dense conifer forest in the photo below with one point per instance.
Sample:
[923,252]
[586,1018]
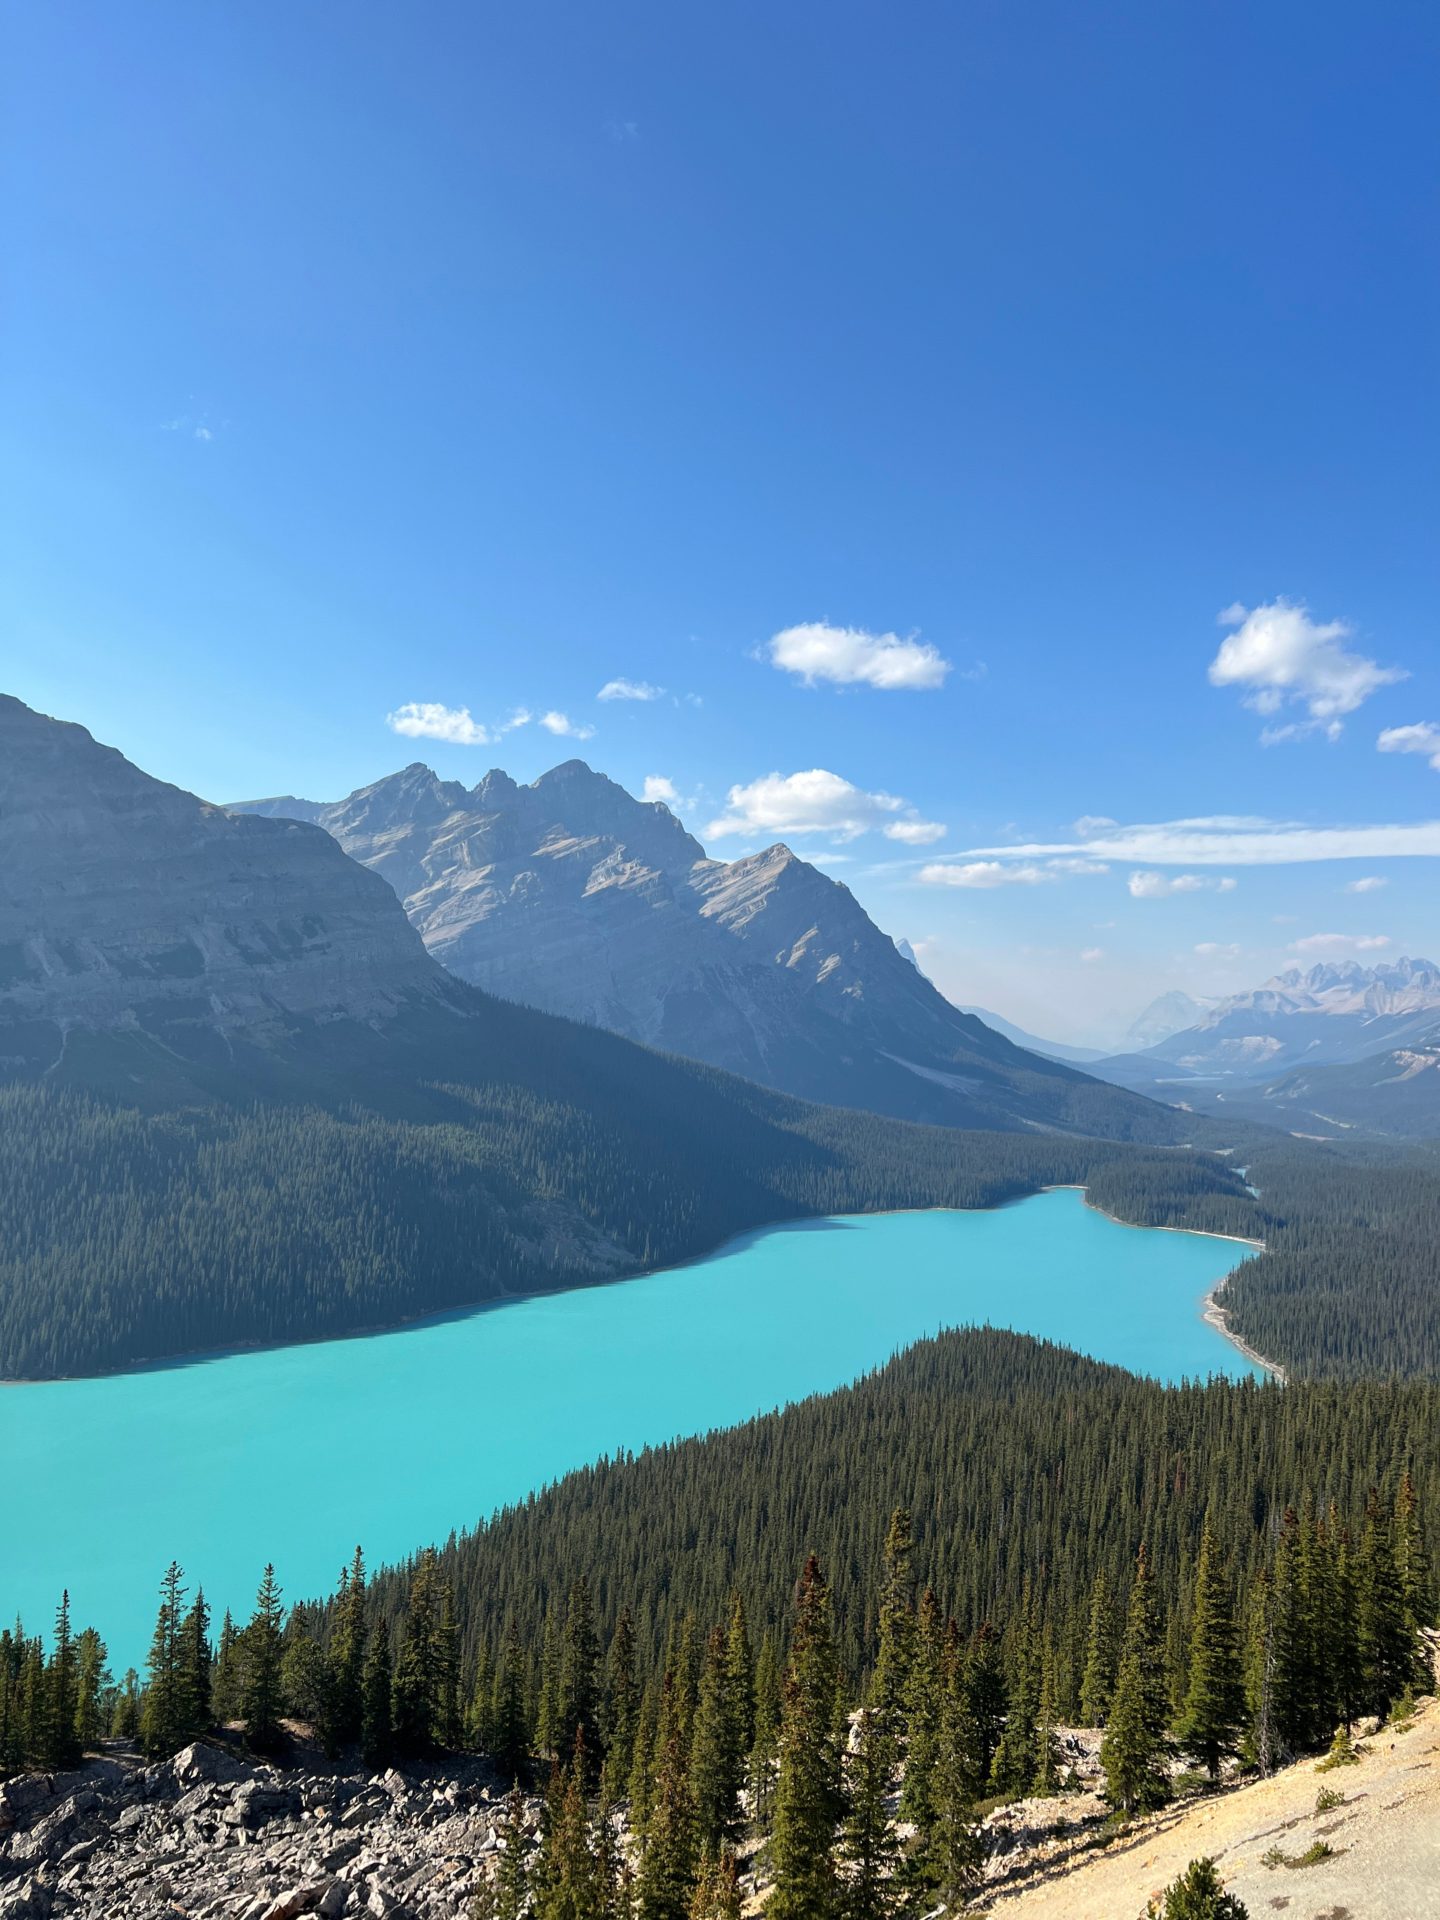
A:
[760,1636]
[128,1235]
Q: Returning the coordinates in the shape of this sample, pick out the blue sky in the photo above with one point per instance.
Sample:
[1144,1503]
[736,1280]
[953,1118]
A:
[363,357]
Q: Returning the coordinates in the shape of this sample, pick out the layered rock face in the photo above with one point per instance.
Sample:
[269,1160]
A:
[572,896]
[126,904]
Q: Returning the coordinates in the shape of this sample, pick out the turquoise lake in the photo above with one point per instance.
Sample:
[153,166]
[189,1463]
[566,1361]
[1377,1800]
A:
[294,1454]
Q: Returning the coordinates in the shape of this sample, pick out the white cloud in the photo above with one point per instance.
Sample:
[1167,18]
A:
[1421,738]
[1079,866]
[848,656]
[984,873]
[565,727]
[1159,886]
[915,833]
[657,787]
[429,720]
[1089,823]
[1240,840]
[1216,950]
[795,803]
[1372,883]
[1092,953]
[630,690]
[1340,943]
[1282,657]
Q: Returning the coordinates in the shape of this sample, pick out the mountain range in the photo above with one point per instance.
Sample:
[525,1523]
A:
[1335,1045]
[570,895]
[240,1101]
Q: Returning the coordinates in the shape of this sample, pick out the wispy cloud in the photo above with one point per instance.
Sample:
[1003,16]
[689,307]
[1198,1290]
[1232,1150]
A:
[1217,950]
[1159,886]
[818,801]
[915,833]
[1091,954]
[564,727]
[1372,883]
[849,656]
[1315,943]
[657,787]
[1279,656]
[192,426]
[1232,840]
[985,874]
[1421,738]
[623,689]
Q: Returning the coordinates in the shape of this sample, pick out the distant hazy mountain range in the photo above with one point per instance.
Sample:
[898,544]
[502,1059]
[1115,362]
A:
[572,896]
[1331,1046]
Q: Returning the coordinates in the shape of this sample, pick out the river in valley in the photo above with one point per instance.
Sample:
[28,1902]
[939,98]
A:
[293,1454]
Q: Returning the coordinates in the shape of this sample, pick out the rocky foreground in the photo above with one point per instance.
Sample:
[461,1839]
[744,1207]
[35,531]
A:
[209,1834]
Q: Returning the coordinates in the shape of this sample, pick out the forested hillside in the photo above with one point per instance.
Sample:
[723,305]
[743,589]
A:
[527,1165]
[1030,1472]
[1349,1284]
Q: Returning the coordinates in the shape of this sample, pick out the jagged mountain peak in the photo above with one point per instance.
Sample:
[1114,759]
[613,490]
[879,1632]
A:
[574,896]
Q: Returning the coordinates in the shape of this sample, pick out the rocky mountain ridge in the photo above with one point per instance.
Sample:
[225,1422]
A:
[127,904]
[570,895]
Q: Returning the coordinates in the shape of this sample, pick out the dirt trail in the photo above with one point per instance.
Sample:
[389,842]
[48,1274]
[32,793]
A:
[1386,1836]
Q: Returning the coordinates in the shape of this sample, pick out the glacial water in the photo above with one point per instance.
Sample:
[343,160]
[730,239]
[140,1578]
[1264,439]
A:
[296,1453]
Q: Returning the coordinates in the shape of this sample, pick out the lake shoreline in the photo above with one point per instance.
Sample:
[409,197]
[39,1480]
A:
[1212,1312]
[437,1316]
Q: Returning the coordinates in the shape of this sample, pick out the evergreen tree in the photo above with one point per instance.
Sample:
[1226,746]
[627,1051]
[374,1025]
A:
[1412,1558]
[225,1675]
[1045,1778]
[923,1706]
[740,1677]
[92,1682]
[577,1714]
[58,1745]
[1133,1750]
[765,1748]
[985,1697]
[168,1716]
[1199,1895]
[718,1751]
[347,1657]
[261,1694]
[889,1688]
[567,1879]
[808,1801]
[511,1728]
[376,1731]
[1102,1655]
[668,1865]
[1212,1717]
[622,1706]
[198,1662]
[1389,1646]
[512,1878]
[869,1849]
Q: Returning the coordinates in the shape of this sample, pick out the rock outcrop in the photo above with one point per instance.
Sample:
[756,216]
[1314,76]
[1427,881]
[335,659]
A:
[210,1834]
